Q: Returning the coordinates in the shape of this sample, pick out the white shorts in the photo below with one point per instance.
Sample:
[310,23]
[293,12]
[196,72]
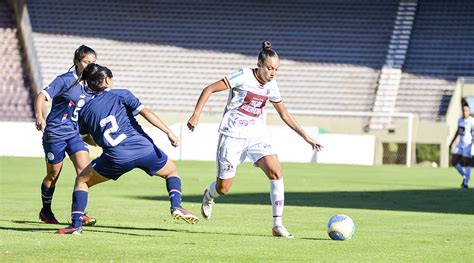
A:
[463,149]
[232,151]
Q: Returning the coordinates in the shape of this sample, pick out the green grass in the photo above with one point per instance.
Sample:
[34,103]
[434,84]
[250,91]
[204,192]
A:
[401,214]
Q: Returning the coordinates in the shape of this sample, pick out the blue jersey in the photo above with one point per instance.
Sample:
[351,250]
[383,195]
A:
[67,101]
[109,118]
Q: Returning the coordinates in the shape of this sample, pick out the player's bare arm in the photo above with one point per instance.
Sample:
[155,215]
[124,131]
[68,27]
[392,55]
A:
[203,98]
[151,117]
[40,121]
[454,139]
[286,116]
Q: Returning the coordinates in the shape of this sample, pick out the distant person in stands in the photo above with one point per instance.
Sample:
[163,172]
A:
[243,132]
[60,131]
[461,155]
[108,120]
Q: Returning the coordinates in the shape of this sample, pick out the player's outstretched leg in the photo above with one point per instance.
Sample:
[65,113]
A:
[173,185]
[79,203]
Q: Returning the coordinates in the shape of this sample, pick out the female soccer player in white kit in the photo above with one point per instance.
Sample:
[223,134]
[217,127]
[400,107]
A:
[462,153]
[243,133]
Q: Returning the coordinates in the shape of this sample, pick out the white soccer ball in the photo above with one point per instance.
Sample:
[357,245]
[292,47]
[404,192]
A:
[341,227]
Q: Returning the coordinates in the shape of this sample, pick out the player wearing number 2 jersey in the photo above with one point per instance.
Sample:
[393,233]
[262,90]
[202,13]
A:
[61,134]
[109,119]
[243,133]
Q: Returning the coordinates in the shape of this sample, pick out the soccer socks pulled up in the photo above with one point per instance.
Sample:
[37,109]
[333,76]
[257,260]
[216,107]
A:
[47,197]
[212,191]
[79,203]
[467,175]
[458,167]
[277,196]
[173,185]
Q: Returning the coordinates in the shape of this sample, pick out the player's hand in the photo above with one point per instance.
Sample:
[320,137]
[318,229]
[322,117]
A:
[40,124]
[315,144]
[192,122]
[173,139]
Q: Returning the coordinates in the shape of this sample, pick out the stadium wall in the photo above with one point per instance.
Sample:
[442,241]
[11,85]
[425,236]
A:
[201,144]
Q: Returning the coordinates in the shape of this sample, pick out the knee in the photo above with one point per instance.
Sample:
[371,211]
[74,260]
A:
[222,190]
[53,175]
[79,169]
[168,170]
[275,174]
[453,162]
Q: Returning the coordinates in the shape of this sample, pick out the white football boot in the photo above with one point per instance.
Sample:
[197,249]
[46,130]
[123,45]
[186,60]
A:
[206,206]
[281,231]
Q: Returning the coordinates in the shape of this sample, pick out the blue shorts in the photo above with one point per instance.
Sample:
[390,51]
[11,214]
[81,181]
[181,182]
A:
[150,163]
[56,151]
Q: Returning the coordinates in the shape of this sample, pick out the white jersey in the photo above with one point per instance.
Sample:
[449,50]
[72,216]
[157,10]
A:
[247,97]
[464,126]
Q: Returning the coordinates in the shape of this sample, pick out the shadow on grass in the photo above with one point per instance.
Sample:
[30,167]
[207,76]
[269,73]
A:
[102,229]
[41,228]
[455,201]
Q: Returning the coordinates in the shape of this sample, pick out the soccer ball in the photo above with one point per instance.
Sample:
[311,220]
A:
[341,227]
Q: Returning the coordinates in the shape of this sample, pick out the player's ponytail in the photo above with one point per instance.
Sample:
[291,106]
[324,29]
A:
[266,52]
[94,75]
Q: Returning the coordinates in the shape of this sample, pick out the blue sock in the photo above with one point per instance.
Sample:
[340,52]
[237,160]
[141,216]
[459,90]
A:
[47,197]
[459,168]
[79,203]
[467,175]
[173,185]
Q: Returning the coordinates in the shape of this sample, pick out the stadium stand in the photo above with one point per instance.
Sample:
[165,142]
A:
[332,51]
[15,99]
[440,51]
[167,51]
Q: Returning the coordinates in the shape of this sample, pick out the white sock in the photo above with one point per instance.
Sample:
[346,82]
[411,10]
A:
[277,196]
[212,193]
[459,168]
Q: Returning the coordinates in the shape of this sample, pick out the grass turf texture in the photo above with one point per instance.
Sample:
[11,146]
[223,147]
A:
[401,214]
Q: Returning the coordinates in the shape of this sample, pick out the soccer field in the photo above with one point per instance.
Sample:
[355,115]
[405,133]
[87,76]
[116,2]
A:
[401,214]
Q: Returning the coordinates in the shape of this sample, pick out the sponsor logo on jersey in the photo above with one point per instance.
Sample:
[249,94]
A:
[253,104]
[81,103]
[245,122]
